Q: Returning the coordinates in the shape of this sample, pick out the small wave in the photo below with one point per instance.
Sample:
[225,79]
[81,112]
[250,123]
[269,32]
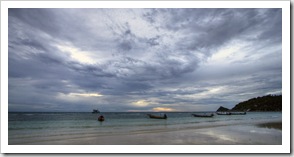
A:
[29,114]
[73,127]
[31,128]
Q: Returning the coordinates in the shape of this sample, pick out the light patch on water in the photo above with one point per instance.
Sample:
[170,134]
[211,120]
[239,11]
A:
[219,136]
[252,131]
[260,131]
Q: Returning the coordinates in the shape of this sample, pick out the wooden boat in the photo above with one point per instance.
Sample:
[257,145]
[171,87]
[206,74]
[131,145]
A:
[223,113]
[203,115]
[157,117]
[238,113]
[101,118]
[95,111]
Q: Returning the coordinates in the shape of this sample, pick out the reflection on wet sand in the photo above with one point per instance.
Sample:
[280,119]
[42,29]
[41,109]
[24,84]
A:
[271,125]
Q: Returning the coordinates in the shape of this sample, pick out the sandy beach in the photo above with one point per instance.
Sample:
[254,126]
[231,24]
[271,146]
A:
[258,133]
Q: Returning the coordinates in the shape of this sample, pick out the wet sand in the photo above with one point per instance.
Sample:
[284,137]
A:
[262,133]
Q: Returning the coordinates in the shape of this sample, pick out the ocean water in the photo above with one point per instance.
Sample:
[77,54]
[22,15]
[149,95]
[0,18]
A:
[24,128]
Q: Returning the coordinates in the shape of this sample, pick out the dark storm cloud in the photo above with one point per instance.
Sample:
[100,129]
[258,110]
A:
[173,58]
[43,19]
[210,28]
[61,24]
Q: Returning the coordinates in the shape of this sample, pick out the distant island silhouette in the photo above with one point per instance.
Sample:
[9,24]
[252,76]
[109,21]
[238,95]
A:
[265,103]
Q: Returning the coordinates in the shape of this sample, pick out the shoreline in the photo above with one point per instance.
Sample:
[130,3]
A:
[264,132]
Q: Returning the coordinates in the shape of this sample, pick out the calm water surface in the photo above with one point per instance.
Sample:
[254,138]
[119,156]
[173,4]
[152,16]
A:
[33,125]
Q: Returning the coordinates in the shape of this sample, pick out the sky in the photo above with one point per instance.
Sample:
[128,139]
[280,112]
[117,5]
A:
[141,60]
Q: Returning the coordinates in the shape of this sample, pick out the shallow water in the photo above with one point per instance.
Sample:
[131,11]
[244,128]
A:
[30,127]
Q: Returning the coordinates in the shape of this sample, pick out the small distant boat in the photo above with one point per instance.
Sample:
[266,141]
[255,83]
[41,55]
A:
[238,113]
[223,113]
[157,117]
[95,111]
[101,118]
[203,115]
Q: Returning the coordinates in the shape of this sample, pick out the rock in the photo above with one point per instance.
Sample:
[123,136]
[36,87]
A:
[222,109]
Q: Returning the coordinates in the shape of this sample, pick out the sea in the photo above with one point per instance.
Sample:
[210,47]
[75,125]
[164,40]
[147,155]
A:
[27,127]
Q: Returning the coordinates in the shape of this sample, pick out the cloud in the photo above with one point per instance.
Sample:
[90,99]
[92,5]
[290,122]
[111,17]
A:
[163,109]
[142,59]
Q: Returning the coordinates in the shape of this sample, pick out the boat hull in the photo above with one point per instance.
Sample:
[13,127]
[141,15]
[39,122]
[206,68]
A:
[203,115]
[157,117]
[223,113]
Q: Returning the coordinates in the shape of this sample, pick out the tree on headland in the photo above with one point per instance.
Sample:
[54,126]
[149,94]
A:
[265,103]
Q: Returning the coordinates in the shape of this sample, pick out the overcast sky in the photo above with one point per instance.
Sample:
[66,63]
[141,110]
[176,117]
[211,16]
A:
[123,60]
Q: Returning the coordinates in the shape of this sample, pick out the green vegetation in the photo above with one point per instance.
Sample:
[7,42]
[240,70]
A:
[265,103]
